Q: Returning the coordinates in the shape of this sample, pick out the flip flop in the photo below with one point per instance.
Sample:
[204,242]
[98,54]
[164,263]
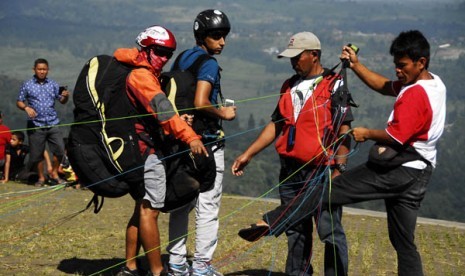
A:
[254,232]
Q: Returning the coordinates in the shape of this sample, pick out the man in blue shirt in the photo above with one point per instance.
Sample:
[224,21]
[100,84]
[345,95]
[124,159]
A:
[210,30]
[37,97]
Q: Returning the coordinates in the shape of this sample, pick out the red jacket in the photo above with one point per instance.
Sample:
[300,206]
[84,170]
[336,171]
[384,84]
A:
[144,88]
[314,121]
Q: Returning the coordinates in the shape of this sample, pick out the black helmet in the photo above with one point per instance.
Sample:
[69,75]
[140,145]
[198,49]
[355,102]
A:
[208,21]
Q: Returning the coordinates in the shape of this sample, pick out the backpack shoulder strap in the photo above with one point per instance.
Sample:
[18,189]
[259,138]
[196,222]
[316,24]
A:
[176,61]
[194,68]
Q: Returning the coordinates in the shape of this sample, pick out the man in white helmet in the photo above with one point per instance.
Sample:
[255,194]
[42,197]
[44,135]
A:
[143,88]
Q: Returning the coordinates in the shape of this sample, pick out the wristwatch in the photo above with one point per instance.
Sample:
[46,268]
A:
[341,167]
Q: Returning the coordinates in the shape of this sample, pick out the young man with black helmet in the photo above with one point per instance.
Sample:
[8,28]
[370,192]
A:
[157,45]
[210,30]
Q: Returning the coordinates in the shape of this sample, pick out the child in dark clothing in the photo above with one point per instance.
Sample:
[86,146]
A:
[15,155]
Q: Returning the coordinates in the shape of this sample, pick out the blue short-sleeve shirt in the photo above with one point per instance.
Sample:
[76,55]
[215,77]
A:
[41,97]
[209,71]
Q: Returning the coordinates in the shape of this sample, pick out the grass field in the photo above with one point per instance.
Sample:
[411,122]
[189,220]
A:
[41,232]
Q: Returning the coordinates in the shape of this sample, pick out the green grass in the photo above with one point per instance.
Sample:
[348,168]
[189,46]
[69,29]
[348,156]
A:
[38,234]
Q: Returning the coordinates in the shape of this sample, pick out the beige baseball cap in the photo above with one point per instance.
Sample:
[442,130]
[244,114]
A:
[300,42]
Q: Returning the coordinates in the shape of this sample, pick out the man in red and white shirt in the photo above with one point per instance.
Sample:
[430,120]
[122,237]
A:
[417,121]
[418,117]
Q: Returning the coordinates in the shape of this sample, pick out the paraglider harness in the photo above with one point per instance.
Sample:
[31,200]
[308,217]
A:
[180,86]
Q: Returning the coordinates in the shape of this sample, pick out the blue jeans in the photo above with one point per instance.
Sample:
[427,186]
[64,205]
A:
[295,181]
[402,188]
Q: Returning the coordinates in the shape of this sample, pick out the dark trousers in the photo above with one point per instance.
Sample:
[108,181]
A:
[296,181]
[402,188]
[37,140]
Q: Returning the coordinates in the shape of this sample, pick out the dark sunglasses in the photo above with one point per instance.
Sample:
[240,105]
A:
[163,51]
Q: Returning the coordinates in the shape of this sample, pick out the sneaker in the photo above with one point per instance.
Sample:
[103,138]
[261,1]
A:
[178,270]
[125,271]
[207,271]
